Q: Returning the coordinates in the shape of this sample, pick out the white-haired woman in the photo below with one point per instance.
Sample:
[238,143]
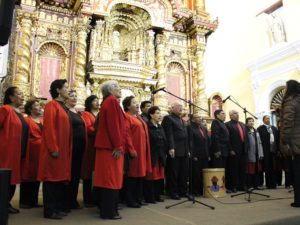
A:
[109,144]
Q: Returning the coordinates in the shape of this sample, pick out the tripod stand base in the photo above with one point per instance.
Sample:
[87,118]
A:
[190,199]
[249,192]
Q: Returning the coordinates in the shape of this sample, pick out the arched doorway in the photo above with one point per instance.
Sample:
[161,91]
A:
[275,105]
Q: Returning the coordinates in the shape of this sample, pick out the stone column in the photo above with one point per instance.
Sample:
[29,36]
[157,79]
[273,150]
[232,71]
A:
[23,49]
[201,98]
[80,59]
[160,97]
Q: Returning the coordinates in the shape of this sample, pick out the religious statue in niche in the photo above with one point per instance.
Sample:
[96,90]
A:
[116,45]
[277,29]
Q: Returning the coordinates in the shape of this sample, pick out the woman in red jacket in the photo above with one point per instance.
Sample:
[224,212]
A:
[56,151]
[110,147]
[88,162]
[13,137]
[29,188]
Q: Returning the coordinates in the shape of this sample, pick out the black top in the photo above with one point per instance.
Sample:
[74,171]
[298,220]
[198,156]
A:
[219,138]
[24,139]
[176,133]
[236,143]
[199,141]
[78,126]
[158,143]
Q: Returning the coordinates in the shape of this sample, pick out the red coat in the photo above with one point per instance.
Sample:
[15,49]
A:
[141,165]
[88,162]
[57,136]
[30,164]
[10,142]
[111,133]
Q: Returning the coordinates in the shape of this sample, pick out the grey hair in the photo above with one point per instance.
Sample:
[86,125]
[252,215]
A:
[107,86]
[232,112]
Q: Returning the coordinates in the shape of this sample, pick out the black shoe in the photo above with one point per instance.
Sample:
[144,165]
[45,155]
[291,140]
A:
[13,210]
[119,207]
[234,190]
[76,207]
[159,200]
[61,214]
[24,206]
[142,203]
[295,205]
[115,217]
[175,197]
[53,216]
[134,205]
[228,191]
[151,201]
[258,188]
[37,206]
[89,205]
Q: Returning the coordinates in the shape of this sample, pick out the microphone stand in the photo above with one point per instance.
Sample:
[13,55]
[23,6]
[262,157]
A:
[190,196]
[243,108]
[248,191]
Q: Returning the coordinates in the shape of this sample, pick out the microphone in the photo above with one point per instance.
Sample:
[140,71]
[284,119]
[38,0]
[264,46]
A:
[157,90]
[226,99]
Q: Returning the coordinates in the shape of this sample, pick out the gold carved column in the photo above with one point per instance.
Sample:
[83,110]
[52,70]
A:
[201,98]
[160,97]
[23,49]
[80,67]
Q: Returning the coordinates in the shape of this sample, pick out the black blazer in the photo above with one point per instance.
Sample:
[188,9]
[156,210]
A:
[265,138]
[219,138]
[236,143]
[198,145]
[176,133]
[158,143]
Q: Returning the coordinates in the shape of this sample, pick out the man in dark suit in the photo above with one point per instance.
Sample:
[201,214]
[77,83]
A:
[269,136]
[219,140]
[176,165]
[237,160]
[199,148]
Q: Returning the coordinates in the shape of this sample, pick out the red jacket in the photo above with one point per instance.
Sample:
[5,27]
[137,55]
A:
[30,163]
[141,165]
[88,162]
[56,137]
[111,134]
[10,142]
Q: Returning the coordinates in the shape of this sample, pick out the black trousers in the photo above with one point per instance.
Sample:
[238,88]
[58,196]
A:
[134,190]
[197,175]
[176,175]
[87,192]
[29,193]
[72,188]
[108,202]
[270,173]
[296,168]
[237,171]
[12,191]
[54,195]
[288,171]
[152,190]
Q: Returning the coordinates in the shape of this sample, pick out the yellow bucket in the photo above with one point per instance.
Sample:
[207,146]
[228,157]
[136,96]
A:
[214,182]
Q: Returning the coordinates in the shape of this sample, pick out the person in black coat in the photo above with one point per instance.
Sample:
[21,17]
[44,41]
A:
[158,147]
[145,106]
[237,160]
[176,164]
[269,135]
[199,147]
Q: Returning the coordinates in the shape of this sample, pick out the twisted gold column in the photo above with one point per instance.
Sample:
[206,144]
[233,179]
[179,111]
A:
[23,48]
[201,98]
[80,68]
[160,97]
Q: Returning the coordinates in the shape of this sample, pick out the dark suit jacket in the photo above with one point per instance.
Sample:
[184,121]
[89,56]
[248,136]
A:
[198,145]
[176,133]
[219,138]
[236,143]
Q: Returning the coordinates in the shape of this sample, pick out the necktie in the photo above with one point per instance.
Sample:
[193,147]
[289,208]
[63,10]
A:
[240,131]
[201,131]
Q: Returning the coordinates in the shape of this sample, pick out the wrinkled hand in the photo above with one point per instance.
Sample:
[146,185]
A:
[116,153]
[232,153]
[217,154]
[55,154]
[172,153]
[133,155]
[189,155]
[195,158]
